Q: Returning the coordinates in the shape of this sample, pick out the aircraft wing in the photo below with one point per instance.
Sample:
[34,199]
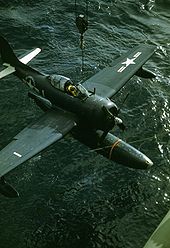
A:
[27,58]
[110,80]
[49,128]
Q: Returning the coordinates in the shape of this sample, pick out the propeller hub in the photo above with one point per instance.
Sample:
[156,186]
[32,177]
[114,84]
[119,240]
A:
[112,119]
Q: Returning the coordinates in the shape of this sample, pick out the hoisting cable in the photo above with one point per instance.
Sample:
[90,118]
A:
[82,25]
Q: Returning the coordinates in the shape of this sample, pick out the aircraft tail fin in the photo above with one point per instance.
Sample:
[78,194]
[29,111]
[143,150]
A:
[10,60]
[7,54]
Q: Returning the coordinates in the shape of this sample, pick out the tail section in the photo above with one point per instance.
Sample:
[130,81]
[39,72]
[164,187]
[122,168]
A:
[7,54]
[10,59]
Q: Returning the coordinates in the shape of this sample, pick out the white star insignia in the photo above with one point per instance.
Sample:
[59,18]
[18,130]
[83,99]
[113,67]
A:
[128,62]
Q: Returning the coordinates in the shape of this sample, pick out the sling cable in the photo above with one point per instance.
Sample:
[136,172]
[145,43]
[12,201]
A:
[82,25]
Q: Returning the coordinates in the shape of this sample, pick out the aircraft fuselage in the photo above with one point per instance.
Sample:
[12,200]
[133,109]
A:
[89,110]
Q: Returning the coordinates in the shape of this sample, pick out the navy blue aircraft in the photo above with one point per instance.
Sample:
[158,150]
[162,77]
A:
[86,110]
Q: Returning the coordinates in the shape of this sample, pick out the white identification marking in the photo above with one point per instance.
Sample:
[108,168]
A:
[122,69]
[129,62]
[17,154]
[137,55]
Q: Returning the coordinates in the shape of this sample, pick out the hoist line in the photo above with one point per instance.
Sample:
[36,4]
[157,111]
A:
[82,25]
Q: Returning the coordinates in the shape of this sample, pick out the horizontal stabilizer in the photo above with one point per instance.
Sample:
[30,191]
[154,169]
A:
[27,58]
[7,71]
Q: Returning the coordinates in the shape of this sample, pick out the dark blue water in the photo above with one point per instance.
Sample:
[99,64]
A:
[70,196]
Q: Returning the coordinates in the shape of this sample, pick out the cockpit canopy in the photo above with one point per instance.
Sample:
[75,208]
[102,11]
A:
[66,85]
[59,82]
